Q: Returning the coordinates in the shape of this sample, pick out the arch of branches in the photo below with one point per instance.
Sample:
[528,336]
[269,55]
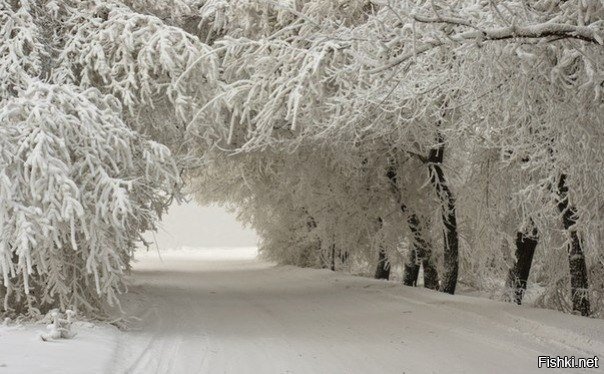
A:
[459,141]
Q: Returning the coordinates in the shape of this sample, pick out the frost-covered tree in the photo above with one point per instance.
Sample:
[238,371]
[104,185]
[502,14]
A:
[522,78]
[353,135]
[94,100]
[78,186]
[159,72]
[298,85]
[443,86]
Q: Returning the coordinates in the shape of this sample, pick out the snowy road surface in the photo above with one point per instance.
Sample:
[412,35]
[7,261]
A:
[225,312]
[239,315]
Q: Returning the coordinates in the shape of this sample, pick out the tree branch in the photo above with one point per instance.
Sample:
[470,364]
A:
[543,30]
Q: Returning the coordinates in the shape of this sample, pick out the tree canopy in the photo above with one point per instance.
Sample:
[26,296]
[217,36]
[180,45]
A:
[347,133]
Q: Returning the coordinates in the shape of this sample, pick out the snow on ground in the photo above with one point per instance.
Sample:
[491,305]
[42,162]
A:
[22,351]
[223,311]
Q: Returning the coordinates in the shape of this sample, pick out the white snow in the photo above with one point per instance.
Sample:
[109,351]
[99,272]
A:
[22,351]
[223,311]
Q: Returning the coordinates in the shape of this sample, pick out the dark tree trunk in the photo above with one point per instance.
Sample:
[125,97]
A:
[579,284]
[411,269]
[421,252]
[451,240]
[518,275]
[382,270]
[430,272]
[333,257]
[343,256]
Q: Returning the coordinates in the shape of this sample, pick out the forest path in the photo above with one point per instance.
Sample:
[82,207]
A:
[201,313]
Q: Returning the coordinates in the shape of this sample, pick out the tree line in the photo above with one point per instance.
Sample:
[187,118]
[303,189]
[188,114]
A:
[462,142]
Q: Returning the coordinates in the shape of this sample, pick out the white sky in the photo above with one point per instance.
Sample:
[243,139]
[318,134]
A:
[191,225]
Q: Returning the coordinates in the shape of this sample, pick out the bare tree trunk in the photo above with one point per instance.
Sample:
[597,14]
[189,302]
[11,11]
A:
[421,252]
[411,269]
[451,240]
[343,256]
[518,275]
[333,257]
[579,283]
[430,272]
[382,270]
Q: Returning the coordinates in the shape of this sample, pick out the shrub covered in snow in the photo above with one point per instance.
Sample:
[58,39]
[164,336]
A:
[59,327]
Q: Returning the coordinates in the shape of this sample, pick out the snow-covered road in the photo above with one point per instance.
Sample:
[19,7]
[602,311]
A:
[205,314]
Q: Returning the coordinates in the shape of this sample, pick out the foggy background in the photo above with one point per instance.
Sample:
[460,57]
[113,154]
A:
[192,225]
